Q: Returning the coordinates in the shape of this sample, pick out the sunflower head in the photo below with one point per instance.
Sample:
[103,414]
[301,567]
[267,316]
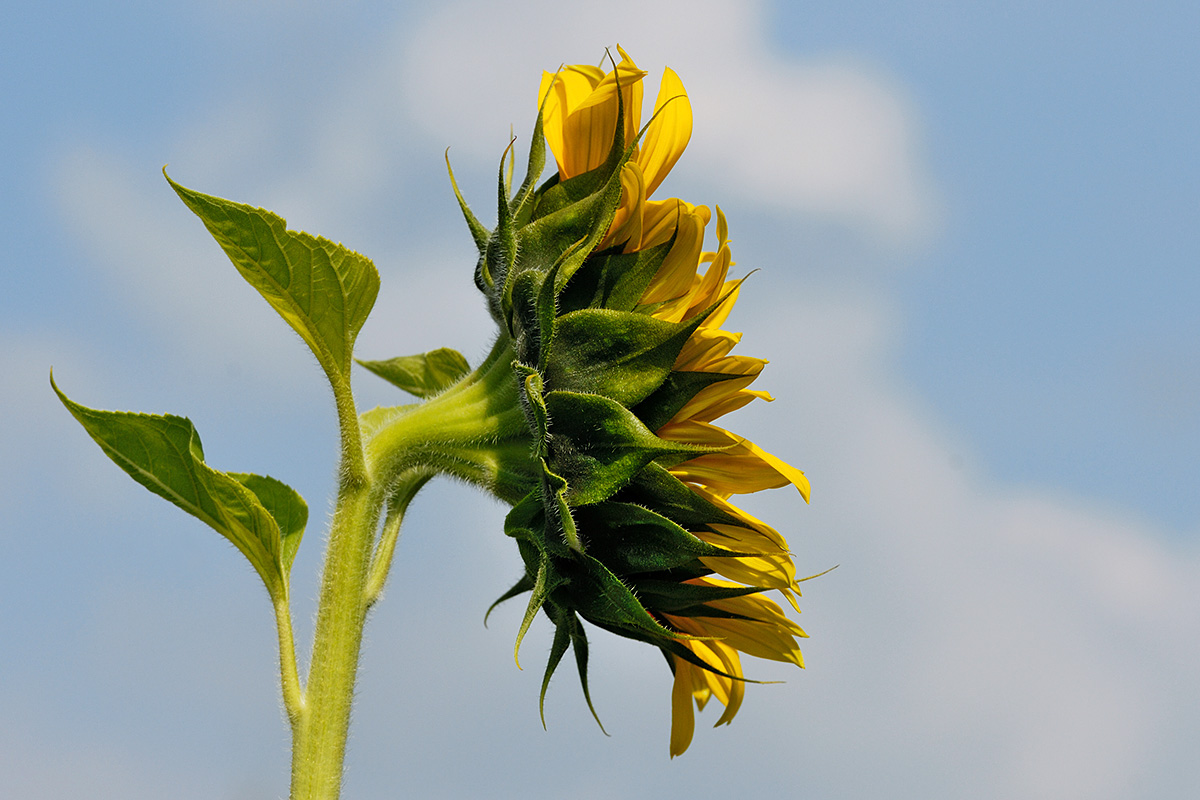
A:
[612,311]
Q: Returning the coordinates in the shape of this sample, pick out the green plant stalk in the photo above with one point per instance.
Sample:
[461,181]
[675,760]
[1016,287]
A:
[475,431]
[289,676]
[381,562]
[319,741]
[319,733]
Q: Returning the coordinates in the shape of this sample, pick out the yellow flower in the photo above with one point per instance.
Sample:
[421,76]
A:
[579,120]
[611,312]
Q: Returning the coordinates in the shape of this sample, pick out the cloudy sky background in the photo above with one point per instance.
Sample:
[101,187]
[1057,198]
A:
[975,230]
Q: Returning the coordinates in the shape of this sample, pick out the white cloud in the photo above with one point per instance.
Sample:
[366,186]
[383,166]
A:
[835,139]
[1023,622]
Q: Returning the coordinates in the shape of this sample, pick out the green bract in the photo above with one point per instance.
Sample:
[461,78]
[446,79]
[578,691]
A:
[605,532]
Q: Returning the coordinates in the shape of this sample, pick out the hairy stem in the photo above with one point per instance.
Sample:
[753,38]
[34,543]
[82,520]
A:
[319,740]
[475,431]
[381,562]
[289,677]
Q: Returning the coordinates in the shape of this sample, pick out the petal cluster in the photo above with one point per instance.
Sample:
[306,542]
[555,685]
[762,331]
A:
[613,312]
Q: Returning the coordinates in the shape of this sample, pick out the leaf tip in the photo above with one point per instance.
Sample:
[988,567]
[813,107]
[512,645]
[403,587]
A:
[66,401]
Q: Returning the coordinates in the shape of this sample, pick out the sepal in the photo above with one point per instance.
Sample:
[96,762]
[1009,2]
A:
[598,445]
[618,354]
[629,539]
[612,279]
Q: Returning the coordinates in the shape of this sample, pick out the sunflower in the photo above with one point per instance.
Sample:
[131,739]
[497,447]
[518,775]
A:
[611,312]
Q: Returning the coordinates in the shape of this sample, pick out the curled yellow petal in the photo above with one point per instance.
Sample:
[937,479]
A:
[627,221]
[674,278]
[704,349]
[668,132]
[579,114]
[560,94]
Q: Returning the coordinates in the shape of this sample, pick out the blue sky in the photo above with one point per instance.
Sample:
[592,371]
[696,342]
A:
[1059,300]
[976,231]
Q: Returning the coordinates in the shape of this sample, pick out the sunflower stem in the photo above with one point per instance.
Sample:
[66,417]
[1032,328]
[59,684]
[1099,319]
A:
[475,431]
[319,734]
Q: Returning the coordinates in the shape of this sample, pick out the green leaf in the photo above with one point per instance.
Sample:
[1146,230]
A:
[479,233]
[568,235]
[558,648]
[286,507]
[601,597]
[323,290]
[524,322]
[522,586]
[262,517]
[423,375]
[522,205]
[580,645]
[545,580]
[557,195]
[657,489]
[685,599]
[534,405]
[567,630]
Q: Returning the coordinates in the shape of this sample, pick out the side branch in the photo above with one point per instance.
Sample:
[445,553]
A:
[289,676]
[385,550]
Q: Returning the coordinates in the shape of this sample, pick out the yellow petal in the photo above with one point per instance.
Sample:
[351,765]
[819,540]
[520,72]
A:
[722,227]
[721,657]
[764,541]
[742,468]
[726,293]
[759,639]
[662,217]
[713,286]
[627,221]
[725,396]
[705,348]
[719,399]
[755,606]
[765,572]
[748,520]
[737,689]
[674,278]
[591,123]
[719,408]
[683,718]
[560,93]
[668,132]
